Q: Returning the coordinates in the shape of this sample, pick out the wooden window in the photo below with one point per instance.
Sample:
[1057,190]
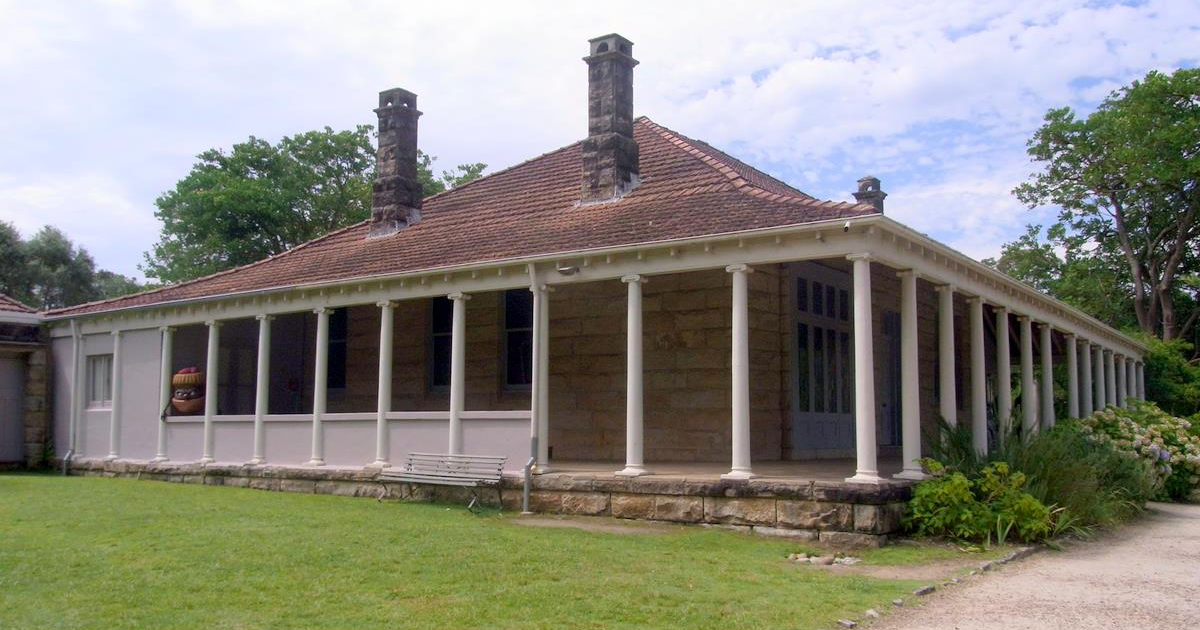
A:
[517,356]
[441,335]
[99,380]
[339,328]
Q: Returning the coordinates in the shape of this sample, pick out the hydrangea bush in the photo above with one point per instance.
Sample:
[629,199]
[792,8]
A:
[1170,443]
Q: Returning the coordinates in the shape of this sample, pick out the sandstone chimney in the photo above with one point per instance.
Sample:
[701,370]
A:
[870,193]
[396,194]
[610,154]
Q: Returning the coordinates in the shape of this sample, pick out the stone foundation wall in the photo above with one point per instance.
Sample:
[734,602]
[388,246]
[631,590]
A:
[834,513]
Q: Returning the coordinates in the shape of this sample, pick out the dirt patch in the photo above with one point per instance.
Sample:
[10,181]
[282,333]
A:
[597,524]
[932,571]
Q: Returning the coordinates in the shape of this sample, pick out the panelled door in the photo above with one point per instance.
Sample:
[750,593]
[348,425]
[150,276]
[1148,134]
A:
[823,378]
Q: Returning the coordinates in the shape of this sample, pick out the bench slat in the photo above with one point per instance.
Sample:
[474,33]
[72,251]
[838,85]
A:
[450,470]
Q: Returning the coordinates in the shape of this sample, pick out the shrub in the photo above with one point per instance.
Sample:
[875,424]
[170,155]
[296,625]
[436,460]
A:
[1085,482]
[1171,445]
[991,507]
[1171,380]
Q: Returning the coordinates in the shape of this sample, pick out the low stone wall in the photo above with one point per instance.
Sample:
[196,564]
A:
[835,513]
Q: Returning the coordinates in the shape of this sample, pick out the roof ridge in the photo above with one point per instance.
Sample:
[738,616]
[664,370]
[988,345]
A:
[210,276]
[5,298]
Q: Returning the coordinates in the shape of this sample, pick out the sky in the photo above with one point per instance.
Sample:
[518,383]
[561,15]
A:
[104,105]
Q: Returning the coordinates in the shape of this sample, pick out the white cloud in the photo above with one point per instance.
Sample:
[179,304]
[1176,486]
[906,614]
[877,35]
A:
[936,98]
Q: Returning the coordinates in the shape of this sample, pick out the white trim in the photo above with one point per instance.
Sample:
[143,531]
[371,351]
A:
[364,416]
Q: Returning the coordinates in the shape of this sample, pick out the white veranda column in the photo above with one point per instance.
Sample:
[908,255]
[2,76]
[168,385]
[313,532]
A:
[1131,379]
[262,386]
[866,466]
[210,388]
[539,398]
[114,424]
[1110,379]
[77,388]
[1087,399]
[1047,383]
[910,384]
[948,394]
[1098,378]
[320,386]
[1141,380]
[1003,374]
[634,463]
[458,370]
[383,396]
[741,375]
[164,390]
[1119,364]
[1072,352]
[1028,405]
[978,379]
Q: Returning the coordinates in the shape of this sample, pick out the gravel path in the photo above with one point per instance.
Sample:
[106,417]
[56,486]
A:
[1146,575]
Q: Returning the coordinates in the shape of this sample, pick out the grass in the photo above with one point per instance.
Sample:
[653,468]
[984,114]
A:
[117,553]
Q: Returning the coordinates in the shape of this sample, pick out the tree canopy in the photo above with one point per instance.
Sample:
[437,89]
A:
[1125,181]
[49,271]
[260,199]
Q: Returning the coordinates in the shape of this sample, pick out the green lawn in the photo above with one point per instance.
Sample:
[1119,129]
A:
[117,553]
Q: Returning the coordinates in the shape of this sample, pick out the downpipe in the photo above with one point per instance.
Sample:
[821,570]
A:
[533,449]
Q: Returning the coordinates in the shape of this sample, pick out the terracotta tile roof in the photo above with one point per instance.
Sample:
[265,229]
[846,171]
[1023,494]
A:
[688,189]
[10,305]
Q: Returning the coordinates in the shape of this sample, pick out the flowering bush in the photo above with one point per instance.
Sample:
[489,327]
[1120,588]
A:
[1170,443]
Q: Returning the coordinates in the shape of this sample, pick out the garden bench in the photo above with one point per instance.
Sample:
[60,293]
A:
[470,471]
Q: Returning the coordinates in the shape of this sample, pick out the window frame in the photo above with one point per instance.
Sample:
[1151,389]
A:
[91,373]
[505,384]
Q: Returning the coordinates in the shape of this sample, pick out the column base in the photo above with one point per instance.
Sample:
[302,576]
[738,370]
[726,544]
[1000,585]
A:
[739,474]
[912,474]
[158,459]
[256,461]
[632,471]
[380,463]
[540,470]
[112,458]
[865,476]
[206,460]
[316,461]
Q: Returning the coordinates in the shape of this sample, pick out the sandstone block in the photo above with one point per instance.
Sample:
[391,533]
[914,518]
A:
[585,503]
[682,509]
[878,519]
[851,540]
[298,485]
[633,506]
[739,511]
[784,532]
[816,515]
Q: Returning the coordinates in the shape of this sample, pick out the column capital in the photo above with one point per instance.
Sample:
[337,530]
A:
[213,323]
[1072,336]
[976,299]
[323,310]
[907,273]
[116,333]
[166,329]
[1000,308]
[1045,325]
[945,288]
[263,317]
[860,256]
[458,295]
[740,267]
[1024,319]
[386,304]
[634,278]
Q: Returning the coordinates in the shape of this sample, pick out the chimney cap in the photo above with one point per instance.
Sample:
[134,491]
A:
[870,192]
[397,97]
[610,43]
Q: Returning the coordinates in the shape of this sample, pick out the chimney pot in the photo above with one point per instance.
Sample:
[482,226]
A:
[396,193]
[870,193]
[610,154]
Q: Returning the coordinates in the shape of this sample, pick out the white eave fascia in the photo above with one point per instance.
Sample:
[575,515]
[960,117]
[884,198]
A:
[815,226]
[1021,288]
[881,221]
[15,317]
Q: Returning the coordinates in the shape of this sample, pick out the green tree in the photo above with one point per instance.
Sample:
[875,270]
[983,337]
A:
[262,199]
[49,271]
[14,270]
[1125,180]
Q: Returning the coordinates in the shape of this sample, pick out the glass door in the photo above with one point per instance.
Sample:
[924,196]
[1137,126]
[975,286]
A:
[822,381]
